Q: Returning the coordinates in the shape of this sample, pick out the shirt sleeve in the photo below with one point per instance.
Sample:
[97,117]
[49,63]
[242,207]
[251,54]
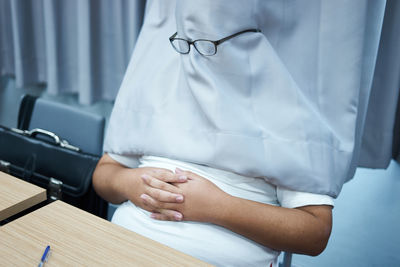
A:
[128,161]
[294,199]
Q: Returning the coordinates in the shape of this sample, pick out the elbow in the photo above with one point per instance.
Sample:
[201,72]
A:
[311,244]
[98,175]
[317,250]
[319,243]
[105,180]
[317,231]
[314,249]
[96,178]
[99,181]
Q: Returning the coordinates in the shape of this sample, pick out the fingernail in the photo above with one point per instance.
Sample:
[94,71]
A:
[145,177]
[182,178]
[178,171]
[179,198]
[178,216]
[153,216]
[143,196]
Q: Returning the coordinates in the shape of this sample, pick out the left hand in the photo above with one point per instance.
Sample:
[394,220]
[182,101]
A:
[202,199]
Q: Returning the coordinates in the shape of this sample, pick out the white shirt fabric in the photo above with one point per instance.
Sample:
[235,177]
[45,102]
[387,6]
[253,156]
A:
[209,242]
[287,104]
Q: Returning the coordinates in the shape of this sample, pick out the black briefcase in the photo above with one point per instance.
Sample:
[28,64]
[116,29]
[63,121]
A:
[42,158]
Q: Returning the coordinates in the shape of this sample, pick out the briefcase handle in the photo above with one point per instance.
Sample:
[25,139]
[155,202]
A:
[57,140]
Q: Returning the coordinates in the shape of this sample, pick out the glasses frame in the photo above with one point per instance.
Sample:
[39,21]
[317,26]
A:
[215,42]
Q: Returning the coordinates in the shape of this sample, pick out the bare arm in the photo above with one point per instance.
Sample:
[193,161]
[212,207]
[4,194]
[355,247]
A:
[117,183]
[304,230]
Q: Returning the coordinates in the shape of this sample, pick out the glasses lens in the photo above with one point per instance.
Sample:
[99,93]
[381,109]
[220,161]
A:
[205,48]
[180,46]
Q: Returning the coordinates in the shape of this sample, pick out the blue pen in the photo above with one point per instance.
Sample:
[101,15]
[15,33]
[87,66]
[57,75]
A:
[44,257]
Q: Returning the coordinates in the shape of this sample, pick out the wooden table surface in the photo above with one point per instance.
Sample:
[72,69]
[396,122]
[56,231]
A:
[78,238]
[17,195]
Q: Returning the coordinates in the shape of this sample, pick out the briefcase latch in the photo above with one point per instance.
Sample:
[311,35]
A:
[55,192]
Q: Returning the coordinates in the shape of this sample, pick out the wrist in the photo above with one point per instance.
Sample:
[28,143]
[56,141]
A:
[219,213]
[132,186]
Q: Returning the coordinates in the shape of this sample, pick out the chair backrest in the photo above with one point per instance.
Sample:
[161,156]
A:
[80,128]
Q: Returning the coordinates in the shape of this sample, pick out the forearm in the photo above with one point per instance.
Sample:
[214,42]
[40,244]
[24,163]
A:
[115,183]
[295,230]
[303,230]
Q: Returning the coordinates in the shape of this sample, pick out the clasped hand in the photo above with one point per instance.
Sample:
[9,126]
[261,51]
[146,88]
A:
[182,195]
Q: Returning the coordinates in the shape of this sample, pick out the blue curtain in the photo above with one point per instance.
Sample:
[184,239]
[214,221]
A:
[75,46]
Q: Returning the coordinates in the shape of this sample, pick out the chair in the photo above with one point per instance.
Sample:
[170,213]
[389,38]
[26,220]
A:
[287,260]
[79,128]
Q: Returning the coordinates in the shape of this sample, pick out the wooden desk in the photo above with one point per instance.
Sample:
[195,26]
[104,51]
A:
[17,195]
[79,238]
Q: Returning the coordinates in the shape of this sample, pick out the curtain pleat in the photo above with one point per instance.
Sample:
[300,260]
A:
[75,46]
[396,134]
[379,131]
[28,41]
[6,39]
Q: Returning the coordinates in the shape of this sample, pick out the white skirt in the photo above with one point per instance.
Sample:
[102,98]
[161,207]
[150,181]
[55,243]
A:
[208,242]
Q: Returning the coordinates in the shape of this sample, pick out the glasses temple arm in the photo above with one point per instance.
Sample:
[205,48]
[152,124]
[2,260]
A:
[234,35]
[173,36]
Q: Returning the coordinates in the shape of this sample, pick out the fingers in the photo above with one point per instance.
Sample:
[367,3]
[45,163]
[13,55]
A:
[161,191]
[167,215]
[188,174]
[161,194]
[160,210]
[179,171]
[152,202]
[168,176]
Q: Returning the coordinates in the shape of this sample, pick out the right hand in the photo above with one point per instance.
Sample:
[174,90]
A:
[157,184]
[117,183]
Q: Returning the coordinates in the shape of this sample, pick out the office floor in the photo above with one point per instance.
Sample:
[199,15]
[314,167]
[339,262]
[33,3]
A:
[366,228]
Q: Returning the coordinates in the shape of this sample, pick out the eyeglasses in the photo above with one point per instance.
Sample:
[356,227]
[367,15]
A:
[203,46]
